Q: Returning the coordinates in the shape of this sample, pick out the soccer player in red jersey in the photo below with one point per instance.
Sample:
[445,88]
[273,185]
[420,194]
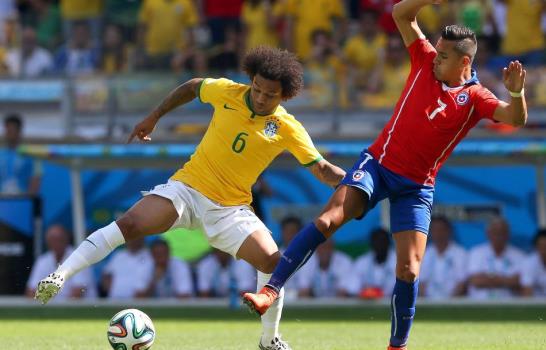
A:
[441,102]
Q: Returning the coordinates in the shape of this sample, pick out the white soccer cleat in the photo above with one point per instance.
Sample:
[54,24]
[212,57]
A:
[276,344]
[49,287]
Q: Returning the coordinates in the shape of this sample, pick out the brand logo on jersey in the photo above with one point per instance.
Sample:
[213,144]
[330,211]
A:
[271,127]
[462,98]
[228,107]
[357,175]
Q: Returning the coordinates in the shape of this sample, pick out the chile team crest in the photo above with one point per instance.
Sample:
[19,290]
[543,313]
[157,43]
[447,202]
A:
[462,98]
[357,175]
[271,127]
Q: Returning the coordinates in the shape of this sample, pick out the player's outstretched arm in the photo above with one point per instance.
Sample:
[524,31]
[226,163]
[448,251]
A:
[404,14]
[181,95]
[515,112]
[327,173]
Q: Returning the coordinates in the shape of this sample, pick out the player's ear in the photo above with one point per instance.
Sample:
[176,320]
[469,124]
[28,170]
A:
[466,61]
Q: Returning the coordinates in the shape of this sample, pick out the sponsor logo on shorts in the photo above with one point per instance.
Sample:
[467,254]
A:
[357,175]
[462,98]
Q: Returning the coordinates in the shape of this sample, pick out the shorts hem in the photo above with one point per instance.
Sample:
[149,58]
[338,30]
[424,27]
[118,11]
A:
[409,228]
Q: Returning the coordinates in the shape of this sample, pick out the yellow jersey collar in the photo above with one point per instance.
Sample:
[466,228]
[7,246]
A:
[249,105]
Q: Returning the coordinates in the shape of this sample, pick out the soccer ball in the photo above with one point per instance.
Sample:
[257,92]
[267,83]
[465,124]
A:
[131,329]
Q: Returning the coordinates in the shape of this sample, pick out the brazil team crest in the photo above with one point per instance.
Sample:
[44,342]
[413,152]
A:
[271,127]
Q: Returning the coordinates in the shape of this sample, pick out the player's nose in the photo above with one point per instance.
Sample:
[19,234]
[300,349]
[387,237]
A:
[260,99]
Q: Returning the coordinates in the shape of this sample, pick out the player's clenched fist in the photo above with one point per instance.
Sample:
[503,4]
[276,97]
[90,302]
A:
[143,130]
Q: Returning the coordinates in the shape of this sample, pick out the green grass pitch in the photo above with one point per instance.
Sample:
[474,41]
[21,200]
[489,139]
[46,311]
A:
[332,328]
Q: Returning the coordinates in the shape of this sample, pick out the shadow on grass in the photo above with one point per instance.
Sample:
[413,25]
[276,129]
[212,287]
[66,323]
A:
[347,314]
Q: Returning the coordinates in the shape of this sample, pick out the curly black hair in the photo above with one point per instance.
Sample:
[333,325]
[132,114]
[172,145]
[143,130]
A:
[278,65]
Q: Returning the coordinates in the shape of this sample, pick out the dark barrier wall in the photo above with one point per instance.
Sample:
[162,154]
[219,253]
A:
[468,195]
[17,225]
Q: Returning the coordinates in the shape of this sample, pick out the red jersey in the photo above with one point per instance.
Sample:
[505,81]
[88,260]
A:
[223,8]
[429,119]
[384,9]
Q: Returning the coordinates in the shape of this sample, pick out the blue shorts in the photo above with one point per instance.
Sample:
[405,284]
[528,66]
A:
[410,202]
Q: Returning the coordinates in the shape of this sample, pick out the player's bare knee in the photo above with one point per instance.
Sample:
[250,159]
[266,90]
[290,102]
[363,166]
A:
[408,272]
[129,226]
[326,225]
[269,263]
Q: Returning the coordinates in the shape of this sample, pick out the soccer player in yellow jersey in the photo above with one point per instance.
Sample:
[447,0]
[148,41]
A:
[211,191]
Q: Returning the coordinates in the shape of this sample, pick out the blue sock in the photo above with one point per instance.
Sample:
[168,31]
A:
[296,255]
[402,311]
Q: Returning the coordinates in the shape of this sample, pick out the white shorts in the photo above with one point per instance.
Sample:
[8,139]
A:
[226,227]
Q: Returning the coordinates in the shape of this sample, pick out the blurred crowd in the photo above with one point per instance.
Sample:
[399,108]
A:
[351,50]
[495,269]
[492,270]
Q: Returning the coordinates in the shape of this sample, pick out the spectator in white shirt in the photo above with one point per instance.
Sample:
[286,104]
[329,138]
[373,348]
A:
[493,267]
[29,61]
[57,240]
[374,272]
[219,272]
[129,272]
[327,273]
[79,56]
[533,274]
[443,274]
[171,276]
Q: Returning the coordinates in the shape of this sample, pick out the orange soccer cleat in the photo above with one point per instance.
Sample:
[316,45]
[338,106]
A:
[394,348]
[261,301]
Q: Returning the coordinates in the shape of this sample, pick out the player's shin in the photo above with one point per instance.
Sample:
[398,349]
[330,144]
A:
[272,318]
[403,301]
[296,255]
[92,250]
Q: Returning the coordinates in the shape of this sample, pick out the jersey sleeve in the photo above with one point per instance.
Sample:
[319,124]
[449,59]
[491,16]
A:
[205,274]
[485,103]
[527,273]
[421,51]
[190,17]
[475,263]
[245,276]
[183,284]
[343,272]
[426,270]
[337,9]
[462,269]
[110,266]
[144,13]
[299,143]
[210,90]
[36,273]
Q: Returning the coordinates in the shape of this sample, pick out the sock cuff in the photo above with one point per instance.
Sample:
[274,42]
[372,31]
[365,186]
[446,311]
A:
[112,235]
[263,278]
[411,284]
[270,286]
[313,232]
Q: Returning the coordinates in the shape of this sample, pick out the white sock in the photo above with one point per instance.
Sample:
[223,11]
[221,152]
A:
[92,250]
[271,319]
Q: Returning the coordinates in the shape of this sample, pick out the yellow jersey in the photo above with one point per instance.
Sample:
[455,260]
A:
[523,27]
[311,15]
[394,79]
[166,23]
[81,9]
[239,144]
[362,53]
[255,18]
